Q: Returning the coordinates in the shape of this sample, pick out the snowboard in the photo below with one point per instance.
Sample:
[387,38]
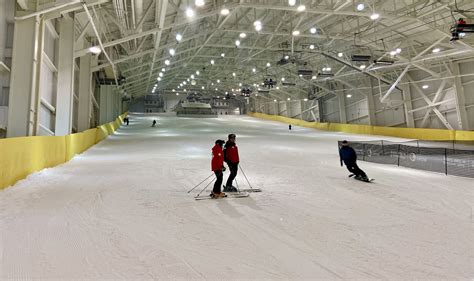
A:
[228,195]
[370,179]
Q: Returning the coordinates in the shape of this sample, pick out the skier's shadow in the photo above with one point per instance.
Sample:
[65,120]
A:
[249,202]
[228,209]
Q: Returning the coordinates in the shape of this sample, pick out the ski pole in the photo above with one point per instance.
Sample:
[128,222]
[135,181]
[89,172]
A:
[204,188]
[245,177]
[200,183]
[237,185]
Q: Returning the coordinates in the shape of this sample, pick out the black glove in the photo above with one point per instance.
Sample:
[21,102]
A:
[223,169]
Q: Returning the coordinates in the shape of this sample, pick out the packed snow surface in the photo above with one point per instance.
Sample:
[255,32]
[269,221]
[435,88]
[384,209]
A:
[121,211]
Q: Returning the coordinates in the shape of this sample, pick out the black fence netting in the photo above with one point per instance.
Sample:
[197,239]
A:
[438,157]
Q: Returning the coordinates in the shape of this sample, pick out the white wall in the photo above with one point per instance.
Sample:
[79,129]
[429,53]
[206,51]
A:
[109,103]
[331,110]
[6,44]
[170,101]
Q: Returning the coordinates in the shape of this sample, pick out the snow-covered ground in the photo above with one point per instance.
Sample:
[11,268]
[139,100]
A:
[120,211]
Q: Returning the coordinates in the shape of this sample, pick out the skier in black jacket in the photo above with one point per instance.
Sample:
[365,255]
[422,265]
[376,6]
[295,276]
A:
[348,155]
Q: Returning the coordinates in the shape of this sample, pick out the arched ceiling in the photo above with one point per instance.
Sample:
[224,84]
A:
[139,34]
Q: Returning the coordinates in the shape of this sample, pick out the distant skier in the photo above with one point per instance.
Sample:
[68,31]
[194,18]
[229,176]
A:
[289,127]
[217,166]
[231,157]
[154,123]
[348,155]
[125,120]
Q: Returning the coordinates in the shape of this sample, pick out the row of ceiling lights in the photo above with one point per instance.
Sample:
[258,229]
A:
[258,27]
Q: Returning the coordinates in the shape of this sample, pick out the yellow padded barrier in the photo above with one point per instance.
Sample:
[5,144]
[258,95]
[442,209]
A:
[464,135]
[25,155]
[408,133]
[22,156]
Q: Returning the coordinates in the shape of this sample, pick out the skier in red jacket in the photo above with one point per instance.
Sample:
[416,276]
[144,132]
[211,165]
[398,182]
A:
[217,166]
[231,157]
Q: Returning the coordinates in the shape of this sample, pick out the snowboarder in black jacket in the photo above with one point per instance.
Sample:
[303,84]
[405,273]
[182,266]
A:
[348,155]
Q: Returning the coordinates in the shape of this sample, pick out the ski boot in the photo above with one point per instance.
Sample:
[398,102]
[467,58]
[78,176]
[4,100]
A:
[230,188]
[218,195]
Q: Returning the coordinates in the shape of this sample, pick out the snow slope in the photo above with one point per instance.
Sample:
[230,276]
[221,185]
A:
[120,211]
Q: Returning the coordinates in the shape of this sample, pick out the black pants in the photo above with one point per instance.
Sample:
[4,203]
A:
[353,168]
[233,173]
[218,183]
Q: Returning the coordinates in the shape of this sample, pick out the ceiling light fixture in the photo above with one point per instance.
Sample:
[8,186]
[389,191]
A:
[268,64]
[349,96]
[167,62]
[425,86]
[237,43]
[172,52]
[189,13]
[311,47]
[212,61]
[436,50]
[374,16]
[222,55]
[225,12]
[242,35]
[340,55]
[179,37]
[199,3]
[312,30]
[95,50]
[360,7]
[296,33]
[291,2]
[301,8]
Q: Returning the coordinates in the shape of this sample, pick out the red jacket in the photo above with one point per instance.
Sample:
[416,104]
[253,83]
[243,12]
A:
[217,161]
[231,152]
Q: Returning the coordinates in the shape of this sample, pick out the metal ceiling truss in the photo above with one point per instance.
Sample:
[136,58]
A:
[143,31]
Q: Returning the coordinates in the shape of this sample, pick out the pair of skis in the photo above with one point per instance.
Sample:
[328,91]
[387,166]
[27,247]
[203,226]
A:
[227,195]
[241,193]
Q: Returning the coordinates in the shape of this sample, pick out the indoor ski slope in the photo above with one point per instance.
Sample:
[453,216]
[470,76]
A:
[120,211]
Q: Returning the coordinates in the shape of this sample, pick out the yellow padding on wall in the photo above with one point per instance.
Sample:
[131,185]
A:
[408,133]
[22,156]
[25,155]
